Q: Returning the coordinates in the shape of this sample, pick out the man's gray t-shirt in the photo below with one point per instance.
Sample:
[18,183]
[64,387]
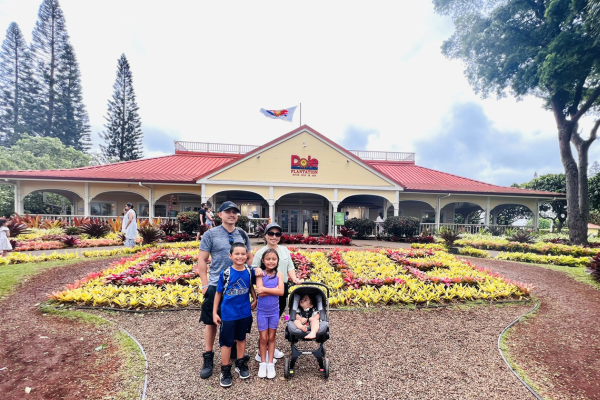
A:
[216,242]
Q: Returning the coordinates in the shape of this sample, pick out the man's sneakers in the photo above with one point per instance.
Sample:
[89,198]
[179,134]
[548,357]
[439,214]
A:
[278,354]
[271,370]
[262,370]
[241,367]
[207,368]
[226,377]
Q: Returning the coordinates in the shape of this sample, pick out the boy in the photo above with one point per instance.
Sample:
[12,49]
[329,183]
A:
[236,312]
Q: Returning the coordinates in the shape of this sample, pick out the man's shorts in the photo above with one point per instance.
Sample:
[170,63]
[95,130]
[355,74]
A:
[234,330]
[265,322]
[206,315]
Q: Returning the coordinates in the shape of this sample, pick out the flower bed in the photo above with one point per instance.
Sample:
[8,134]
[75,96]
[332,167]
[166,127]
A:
[567,261]
[157,278]
[539,248]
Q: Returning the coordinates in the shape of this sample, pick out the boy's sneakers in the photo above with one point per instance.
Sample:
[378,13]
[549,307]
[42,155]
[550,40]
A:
[271,370]
[241,367]
[226,375]
[262,370]
[257,357]
[207,368]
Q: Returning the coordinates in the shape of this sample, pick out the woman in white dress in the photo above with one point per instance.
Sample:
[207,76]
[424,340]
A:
[4,235]
[130,227]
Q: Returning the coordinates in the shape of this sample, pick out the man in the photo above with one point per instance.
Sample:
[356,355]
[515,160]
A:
[217,243]
[201,220]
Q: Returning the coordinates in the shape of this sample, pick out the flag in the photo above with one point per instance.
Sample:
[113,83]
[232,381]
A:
[284,115]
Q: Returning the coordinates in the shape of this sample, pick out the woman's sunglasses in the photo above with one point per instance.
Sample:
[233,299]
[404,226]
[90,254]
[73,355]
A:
[271,233]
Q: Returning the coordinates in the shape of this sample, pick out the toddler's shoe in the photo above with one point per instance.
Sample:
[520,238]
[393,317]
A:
[241,367]
[226,377]
[271,370]
[262,370]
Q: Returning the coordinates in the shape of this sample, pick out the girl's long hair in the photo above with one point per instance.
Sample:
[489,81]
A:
[262,261]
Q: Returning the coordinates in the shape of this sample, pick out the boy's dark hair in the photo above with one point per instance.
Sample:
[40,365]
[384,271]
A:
[262,260]
[235,245]
[3,221]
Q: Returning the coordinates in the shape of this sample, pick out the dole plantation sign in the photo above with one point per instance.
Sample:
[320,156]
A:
[304,166]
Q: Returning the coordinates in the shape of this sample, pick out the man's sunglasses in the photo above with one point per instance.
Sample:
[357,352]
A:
[271,233]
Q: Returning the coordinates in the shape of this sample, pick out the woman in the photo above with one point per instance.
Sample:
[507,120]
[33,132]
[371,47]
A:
[210,218]
[130,226]
[286,266]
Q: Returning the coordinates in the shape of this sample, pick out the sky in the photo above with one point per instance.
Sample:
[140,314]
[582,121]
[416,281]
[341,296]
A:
[369,75]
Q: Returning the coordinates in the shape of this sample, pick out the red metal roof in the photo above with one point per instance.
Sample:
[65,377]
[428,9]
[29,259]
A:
[178,168]
[419,179]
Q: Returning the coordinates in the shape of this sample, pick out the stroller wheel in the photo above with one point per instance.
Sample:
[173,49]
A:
[286,368]
[326,368]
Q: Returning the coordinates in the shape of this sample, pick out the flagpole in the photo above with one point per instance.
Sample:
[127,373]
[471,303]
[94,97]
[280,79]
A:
[300,114]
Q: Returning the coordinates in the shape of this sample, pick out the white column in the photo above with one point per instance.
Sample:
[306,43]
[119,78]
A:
[438,211]
[203,194]
[330,224]
[397,204]
[536,215]
[335,206]
[271,210]
[151,202]
[86,200]
[487,212]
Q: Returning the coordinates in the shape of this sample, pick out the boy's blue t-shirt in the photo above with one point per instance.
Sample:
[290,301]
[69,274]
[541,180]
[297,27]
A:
[236,301]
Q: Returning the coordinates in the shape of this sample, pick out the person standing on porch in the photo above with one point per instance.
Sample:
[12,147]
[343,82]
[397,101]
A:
[217,243]
[286,266]
[130,227]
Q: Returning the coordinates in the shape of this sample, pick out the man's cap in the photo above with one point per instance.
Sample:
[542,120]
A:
[273,225]
[228,205]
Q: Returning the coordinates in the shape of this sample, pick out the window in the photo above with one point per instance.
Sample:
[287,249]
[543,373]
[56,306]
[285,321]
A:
[143,210]
[428,217]
[160,210]
[357,212]
[103,208]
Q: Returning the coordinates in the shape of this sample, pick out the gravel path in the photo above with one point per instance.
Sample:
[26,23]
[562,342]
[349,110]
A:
[559,349]
[385,353]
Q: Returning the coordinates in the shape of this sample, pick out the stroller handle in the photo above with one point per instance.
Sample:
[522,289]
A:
[315,284]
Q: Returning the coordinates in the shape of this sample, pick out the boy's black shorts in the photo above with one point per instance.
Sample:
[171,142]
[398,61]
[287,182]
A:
[234,330]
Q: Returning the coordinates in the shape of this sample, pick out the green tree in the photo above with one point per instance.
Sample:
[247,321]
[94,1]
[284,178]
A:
[594,185]
[541,48]
[72,121]
[123,135]
[556,209]
[16,73]
[36,153]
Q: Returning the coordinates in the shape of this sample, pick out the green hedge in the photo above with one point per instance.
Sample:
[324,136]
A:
[363,227]
[402,226]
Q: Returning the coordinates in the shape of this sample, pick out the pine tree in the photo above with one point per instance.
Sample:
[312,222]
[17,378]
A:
[49,41]
[123,135]
[15,85]
[71,120]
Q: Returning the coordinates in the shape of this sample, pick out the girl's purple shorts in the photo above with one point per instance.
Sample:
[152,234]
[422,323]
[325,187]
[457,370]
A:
[265,321]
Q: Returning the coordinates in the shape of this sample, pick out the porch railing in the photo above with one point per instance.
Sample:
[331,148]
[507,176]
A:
[384,155]
[472,228]
[104,218]
[205,147]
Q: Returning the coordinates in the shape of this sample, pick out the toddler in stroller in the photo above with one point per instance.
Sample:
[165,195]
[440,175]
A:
[307,303]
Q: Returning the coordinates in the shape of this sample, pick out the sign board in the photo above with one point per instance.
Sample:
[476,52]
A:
[338,217]
[304,166]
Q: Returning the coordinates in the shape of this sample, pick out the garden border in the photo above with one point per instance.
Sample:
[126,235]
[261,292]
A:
[145,361]
[537,396]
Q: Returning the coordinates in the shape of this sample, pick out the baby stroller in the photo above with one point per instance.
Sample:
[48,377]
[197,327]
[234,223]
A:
[293,334]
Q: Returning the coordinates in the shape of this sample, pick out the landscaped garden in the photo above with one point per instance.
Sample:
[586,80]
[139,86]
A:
[162,278]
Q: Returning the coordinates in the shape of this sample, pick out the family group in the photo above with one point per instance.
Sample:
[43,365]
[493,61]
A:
[227,285]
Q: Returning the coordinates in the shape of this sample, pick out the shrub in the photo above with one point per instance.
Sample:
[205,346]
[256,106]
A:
[595,267]
[182,237]
[150,234]
[347,232]
[470,251]
[70,241]
[95,229]
[72,230]
[420,239]
[169,227]
[449,236]
[17,228]
[188,221]
[52,223]
[242,222]
[402,226]
[363,227]
[116,224]
[522,237]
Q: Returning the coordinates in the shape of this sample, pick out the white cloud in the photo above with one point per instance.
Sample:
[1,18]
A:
[204,69]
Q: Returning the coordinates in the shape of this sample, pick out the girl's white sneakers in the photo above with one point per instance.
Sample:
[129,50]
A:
[262,370]
[270,370]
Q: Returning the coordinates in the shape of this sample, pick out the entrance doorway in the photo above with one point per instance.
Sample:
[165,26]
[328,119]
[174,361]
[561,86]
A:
[294,218]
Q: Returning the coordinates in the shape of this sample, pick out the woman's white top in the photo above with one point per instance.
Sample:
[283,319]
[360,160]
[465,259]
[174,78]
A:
[131,232]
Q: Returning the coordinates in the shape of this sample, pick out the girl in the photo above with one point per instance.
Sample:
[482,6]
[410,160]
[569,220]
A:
[269,287]
[4,235]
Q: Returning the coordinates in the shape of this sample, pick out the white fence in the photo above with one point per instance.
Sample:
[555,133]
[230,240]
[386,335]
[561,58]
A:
[204,147]
[383,155]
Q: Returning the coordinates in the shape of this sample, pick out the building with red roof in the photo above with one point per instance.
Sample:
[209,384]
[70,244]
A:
[301,178]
